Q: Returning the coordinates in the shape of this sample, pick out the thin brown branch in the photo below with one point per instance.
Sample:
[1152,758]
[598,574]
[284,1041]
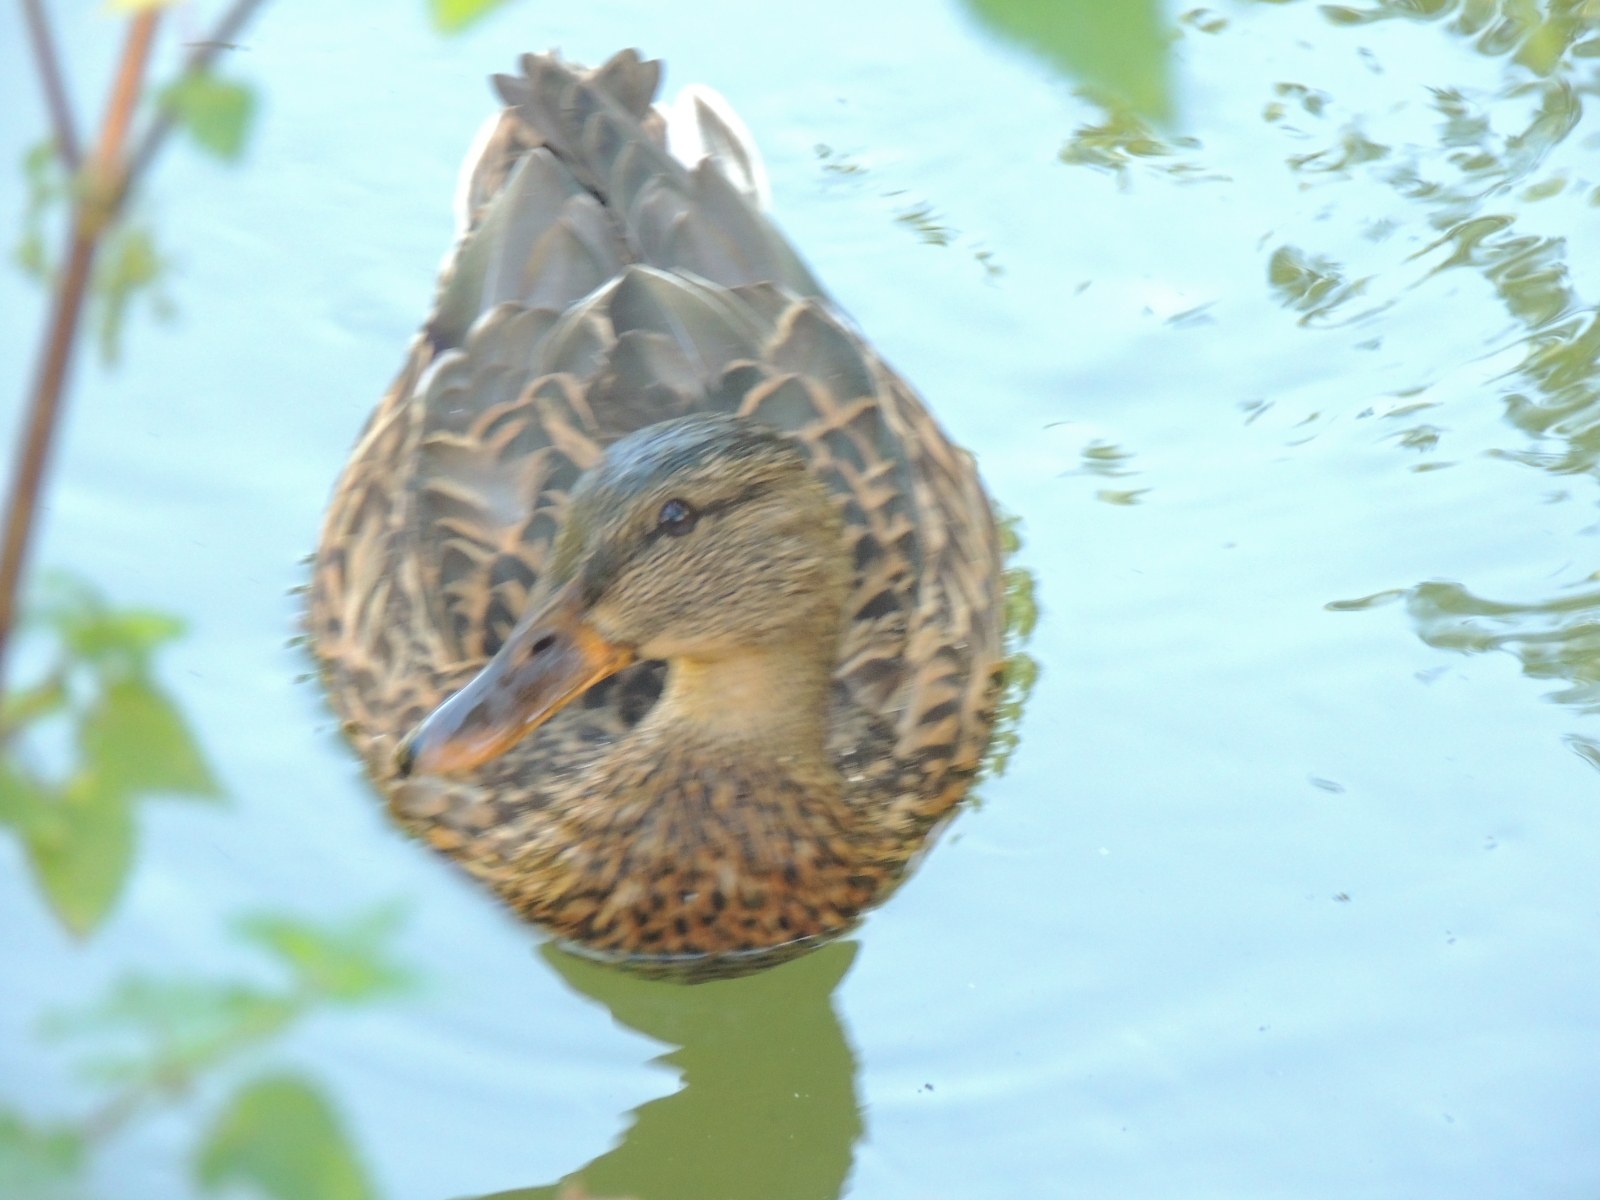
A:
[48,62]
[204,52]
[125,93]
[96,208]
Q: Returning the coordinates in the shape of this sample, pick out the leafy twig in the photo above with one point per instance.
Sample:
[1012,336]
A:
[203,53]
[48,61]
[97,205]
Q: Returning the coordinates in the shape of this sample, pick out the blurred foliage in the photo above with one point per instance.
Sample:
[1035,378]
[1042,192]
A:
[337,964]
[92,734]
[154,1040]
[216,113]
[157,1035]
[47,188]
[452,16]
[1021,668]
[279,1138]
[128,265]
[1121,51]
[129,742]
[38,1162]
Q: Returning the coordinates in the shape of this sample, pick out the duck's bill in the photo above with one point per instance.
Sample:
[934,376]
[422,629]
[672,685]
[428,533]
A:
[551,657]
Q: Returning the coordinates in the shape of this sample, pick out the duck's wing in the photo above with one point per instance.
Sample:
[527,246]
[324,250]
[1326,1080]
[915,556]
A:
[602,285]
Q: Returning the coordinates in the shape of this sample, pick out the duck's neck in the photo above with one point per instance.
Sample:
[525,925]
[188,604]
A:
[771,701]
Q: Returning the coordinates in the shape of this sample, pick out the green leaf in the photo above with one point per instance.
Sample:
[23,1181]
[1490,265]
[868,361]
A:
[131,741]
[280,1138]
[452,16]
[30,704]
[37,1162]
[47,190]
[135,741]
[116,642]
[81,847]
[216,112]
[27,806]
[129,265]
[33,257]
[1118,47]
[346,963]
[163,1032]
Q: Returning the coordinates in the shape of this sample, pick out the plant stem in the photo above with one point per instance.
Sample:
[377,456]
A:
[125,93]
[45,58]
[205,52]
[96,208]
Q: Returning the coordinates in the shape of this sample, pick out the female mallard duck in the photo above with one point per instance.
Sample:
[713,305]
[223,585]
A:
[697,601]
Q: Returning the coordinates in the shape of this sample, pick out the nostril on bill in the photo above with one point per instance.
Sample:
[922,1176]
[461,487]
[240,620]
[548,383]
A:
[543,644]
[405,756]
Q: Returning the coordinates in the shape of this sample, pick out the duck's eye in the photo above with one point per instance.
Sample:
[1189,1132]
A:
[677,517]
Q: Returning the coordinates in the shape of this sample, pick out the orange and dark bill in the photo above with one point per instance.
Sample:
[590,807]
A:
[551,657]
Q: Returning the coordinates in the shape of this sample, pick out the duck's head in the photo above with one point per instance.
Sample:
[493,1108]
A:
[698,540]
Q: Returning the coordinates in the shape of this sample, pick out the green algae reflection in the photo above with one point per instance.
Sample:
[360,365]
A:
[1118,51]
[768,1106]
[1471,188]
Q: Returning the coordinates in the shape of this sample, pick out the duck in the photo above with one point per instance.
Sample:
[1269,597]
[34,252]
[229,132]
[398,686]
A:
[650,595]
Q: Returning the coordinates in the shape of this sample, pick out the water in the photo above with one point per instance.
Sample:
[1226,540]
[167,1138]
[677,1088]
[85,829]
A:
[1276,898]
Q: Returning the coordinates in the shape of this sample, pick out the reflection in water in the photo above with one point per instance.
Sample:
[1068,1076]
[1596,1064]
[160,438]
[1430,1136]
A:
[1121,51]
[1486,166]
[921,217]
[1555,639]
[768,1108]
[1312,285]
[1106,460]
[1539,35]
[1124,140]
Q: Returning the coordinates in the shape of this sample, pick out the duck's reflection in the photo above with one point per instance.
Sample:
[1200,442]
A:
[767,1110]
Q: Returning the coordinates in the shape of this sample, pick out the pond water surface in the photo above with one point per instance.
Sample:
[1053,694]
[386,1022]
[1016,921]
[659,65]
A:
[1290,889]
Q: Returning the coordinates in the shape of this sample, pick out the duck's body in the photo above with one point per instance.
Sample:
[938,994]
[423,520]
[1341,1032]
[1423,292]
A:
[635,425]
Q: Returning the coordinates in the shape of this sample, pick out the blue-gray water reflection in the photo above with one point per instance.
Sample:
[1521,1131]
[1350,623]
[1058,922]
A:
[1272,899]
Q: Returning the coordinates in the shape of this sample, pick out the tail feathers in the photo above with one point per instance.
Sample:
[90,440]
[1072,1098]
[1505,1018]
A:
[702,219]
[542,242]
[701,125]
[574,181]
